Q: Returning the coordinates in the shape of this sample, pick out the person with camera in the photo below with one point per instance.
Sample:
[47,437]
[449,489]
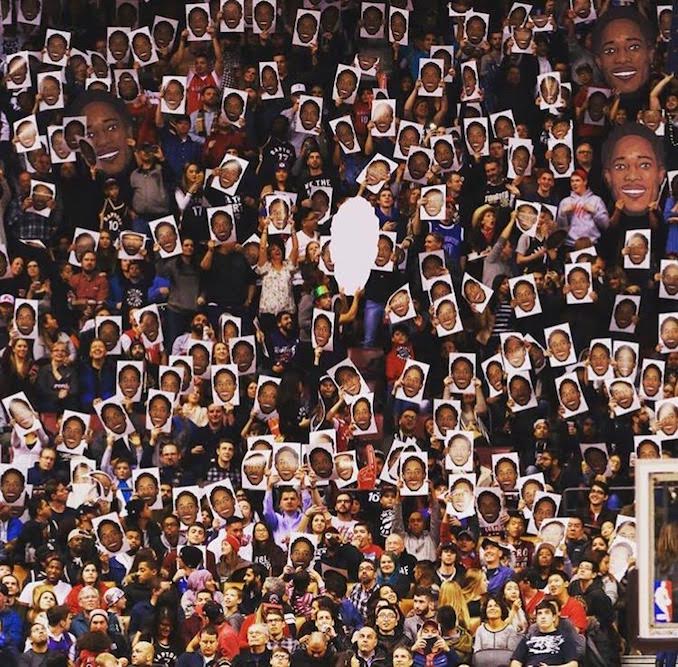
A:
[339,554]
[148,181]
[430,649]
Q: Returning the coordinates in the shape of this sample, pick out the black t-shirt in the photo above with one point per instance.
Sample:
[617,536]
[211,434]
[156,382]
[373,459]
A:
[232,270]
[549,648]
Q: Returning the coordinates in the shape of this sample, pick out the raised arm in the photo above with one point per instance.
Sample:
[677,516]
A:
[263,247]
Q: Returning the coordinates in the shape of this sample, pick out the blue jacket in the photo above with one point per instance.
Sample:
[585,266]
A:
[95,384]
[11,635]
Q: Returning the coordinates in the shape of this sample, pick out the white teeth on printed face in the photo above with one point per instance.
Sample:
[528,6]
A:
[633,192]
[627,74]
[108,156]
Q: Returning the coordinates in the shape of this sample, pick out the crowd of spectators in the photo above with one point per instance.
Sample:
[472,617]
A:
[331,331]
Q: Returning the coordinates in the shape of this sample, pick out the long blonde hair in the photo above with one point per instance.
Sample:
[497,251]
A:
[472,584]
[452,595]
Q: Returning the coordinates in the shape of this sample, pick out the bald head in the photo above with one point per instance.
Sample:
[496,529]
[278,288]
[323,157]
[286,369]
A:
[316,647]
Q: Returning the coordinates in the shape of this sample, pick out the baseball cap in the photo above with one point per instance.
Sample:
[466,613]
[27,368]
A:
[466,534]
[76,532]
[87,509]
[282,165]
[113,595]
[191,556]
[7,298]
[430,622]
[489,542]
[320,290]
[297,88]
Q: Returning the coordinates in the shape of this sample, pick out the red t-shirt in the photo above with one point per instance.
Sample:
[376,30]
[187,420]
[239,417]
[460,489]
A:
[574,611]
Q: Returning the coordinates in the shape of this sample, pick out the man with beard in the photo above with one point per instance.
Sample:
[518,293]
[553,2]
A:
[130,286]
[202,119]
[89,286]
[206,439]
[283,342]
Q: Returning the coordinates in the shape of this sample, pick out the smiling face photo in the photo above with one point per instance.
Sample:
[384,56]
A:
[430,75]
[461,494]
[446,314]
[309,115]
[221,226]
[50,90]
[198,22]
[286,463]
[459,450]
[254,467]
[399,303]
[129,381]
[623,394]
[362,414]
[520,390]
[264,15]
[225,385]
[525,295]
[322,330]
[445,417]
[623,49]
[398,26]
[114,419]
[413,472]
[651,380]
[307,27]
[269,80]
[344,466]
[22,413]
[462,373]
[166,237]
[579,282]
[163,34]
[25,319]
[173,94]
[634,170]
[17,71]
[372,21]
[232,14]
[242,355]
[346,84]
[320,460]
[418,164]
[668,333]
[345,135]
[560,345]
[570,395]
[118,45]
[383,117]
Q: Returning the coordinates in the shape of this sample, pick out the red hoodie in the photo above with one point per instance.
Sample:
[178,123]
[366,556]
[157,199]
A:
[395,361]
